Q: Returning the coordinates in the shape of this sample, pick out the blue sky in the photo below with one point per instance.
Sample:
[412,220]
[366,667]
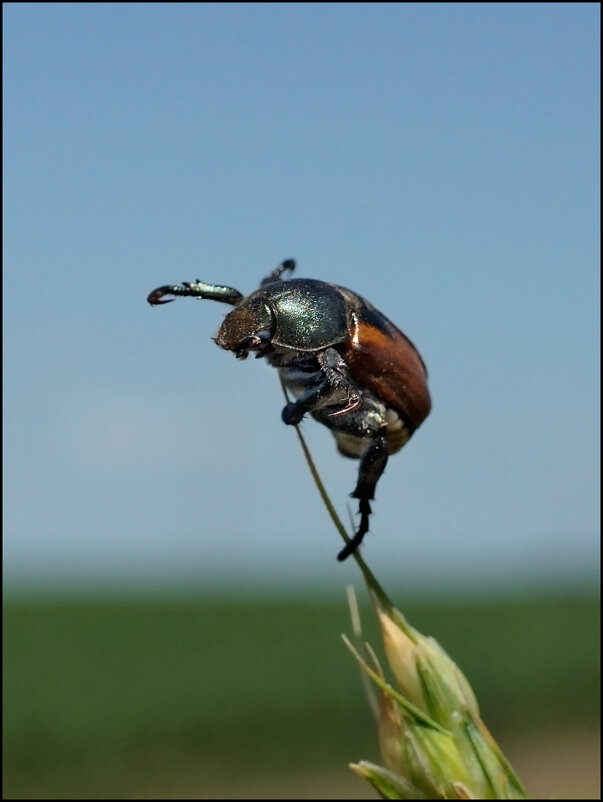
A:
[440,159]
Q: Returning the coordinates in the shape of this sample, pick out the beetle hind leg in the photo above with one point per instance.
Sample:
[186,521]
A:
[372,465]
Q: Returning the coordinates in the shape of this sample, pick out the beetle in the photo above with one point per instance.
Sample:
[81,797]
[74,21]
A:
[343,361]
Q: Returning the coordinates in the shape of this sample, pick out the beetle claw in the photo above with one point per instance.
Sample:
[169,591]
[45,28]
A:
[354,402]
[154,297]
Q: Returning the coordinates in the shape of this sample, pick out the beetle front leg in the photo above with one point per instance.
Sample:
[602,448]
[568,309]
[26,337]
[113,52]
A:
[195,289]
[372,465]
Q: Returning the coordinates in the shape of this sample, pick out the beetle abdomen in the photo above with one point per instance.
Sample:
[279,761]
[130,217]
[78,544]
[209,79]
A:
[383,359]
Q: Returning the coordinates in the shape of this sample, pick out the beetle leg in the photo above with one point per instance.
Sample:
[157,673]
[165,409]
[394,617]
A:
[335,370]
[197,289]
[333,380]
[294,411]
[372,465]
[288,264]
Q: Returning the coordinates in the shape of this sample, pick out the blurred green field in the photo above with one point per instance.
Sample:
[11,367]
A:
[211,698]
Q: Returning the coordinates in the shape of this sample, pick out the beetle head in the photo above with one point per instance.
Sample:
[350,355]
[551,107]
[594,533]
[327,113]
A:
[249,327]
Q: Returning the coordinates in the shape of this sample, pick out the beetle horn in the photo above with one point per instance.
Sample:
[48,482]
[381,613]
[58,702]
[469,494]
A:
[197,289]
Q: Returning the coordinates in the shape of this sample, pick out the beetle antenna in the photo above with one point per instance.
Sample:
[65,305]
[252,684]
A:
[197,289]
